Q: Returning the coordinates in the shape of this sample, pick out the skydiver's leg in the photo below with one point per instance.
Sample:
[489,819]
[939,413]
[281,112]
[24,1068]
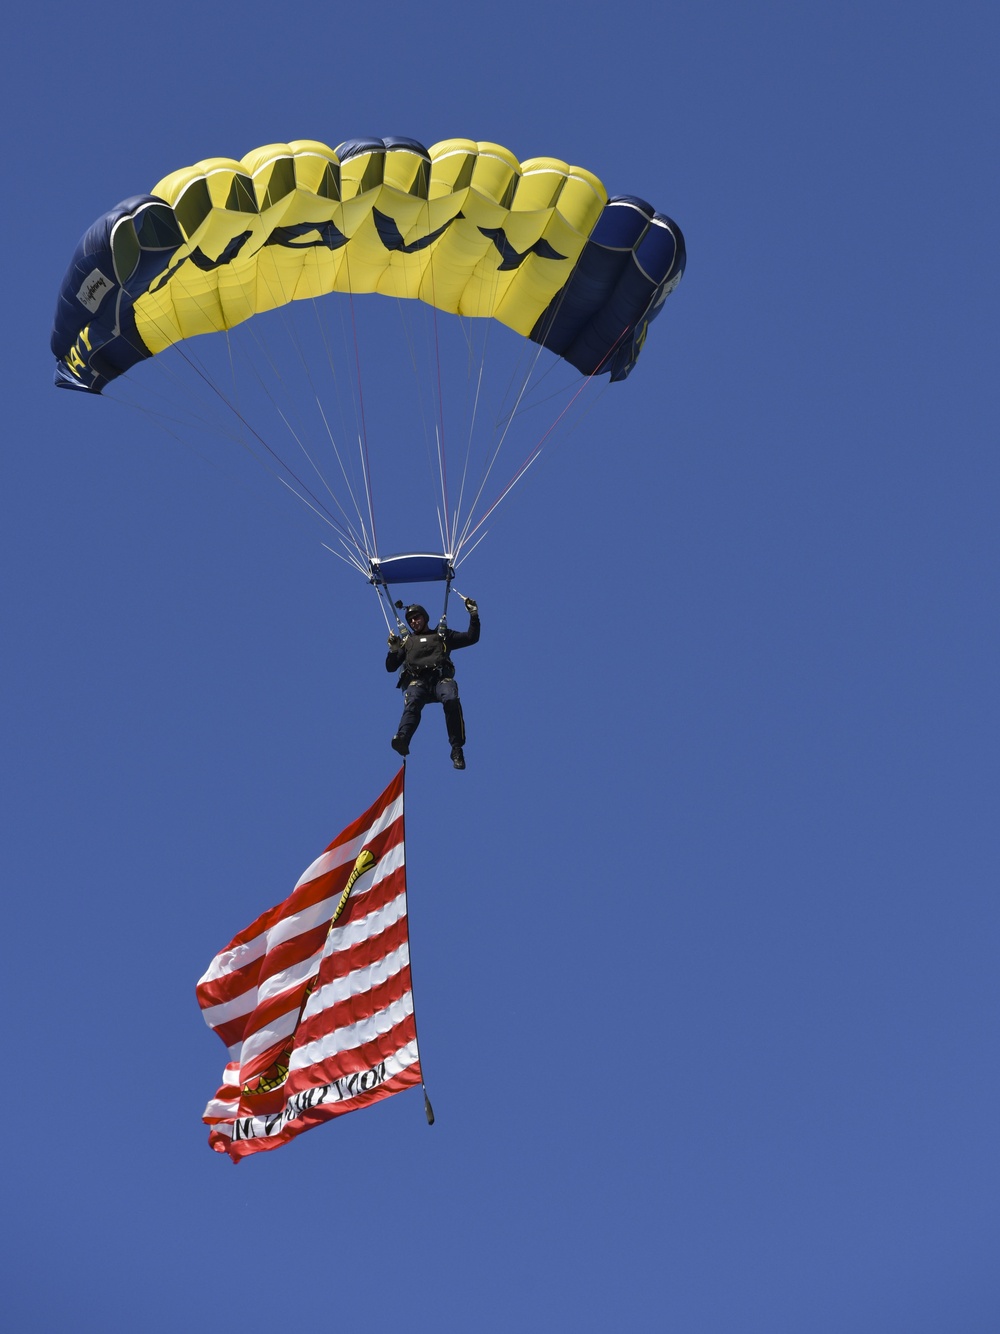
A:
[447,693]
[415,697]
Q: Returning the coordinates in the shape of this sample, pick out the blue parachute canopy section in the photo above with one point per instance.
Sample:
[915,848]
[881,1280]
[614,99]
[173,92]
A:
[415,568]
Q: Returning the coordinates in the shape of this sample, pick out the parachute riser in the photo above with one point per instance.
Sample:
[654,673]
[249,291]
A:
[417,567]
[443,623]
[401,626]
[398,606]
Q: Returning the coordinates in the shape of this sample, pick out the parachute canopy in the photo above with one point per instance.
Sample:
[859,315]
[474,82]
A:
[462,226]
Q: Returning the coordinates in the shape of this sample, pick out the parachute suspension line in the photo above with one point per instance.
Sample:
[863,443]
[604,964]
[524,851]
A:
[418,378]
[473,415]
[193,362]
[236,437]
[313,502]
[360,543]
[196,366]
[167,371]
[475,370]
[444,610]
[494,457]
[443,508]
[232,370]
[369,545]
[524,379]
[165,368]
[283,307]
[391,615]
[349,559]
[332,364]
[476,543]
[483,352]
[442,465]
[363,437]
[518,384]
[295,340]
[263,384]
[116,391]
[467,532]
[167,424]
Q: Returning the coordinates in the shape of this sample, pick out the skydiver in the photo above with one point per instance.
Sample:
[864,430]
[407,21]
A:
[428,674]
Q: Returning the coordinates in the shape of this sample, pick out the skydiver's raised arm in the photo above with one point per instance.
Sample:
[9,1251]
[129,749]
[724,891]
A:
[464,638]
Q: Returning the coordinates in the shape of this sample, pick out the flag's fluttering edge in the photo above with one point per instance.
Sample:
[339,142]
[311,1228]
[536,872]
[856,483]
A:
[313,1000]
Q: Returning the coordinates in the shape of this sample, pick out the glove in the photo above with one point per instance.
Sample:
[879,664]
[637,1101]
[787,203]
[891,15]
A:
[472,606]
[394,641]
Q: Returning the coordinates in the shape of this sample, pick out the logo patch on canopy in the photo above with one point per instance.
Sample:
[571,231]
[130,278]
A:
[95,288]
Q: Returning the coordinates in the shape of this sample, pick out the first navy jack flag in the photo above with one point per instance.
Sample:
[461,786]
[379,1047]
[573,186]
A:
[313,1000]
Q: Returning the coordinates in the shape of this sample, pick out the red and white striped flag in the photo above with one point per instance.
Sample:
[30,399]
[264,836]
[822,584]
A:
[313,999]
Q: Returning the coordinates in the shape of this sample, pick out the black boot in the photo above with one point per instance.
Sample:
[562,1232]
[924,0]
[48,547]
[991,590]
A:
[458,757]
[400,745]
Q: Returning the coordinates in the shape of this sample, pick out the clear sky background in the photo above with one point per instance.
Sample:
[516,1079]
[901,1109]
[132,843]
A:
[705,938]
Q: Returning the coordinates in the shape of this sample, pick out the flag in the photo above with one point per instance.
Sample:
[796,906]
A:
[313,1000]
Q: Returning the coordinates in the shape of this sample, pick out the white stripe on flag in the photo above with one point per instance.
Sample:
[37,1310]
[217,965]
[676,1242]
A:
[353,933]
[218,1110]
[289,977]
[255,1043]
[358,982]
[348,852]
[229,961]
[353,1036]
[226,1010]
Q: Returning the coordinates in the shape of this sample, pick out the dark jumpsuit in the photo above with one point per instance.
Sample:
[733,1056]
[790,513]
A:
[421,685]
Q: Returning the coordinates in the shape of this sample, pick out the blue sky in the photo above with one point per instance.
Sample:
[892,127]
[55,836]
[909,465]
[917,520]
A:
[705,937]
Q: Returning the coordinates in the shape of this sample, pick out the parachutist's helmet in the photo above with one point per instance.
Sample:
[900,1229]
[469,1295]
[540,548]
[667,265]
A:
[416,610]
